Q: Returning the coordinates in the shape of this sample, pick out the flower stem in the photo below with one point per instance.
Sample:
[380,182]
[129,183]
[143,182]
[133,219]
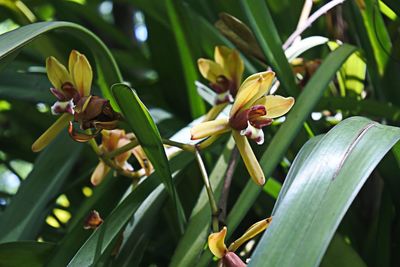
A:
[122,149]
[186,147]
[107,160]
[210,194]
[227,183]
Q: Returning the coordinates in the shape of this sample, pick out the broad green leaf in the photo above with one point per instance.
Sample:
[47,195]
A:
[146,131]
[195,237]
[286,134]
[323,187]
[21,220]
[260,21]
[107,71]
[189,64]
[103,238]
[17,254]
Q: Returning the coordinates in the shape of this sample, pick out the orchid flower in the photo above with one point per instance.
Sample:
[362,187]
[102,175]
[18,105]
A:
[251,111]
[112,140]
[216,243]
[72,87]
[224,75]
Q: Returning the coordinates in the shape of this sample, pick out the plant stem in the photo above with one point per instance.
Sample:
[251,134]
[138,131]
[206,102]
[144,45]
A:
[186,147]
[211,199]
[227,183]
[134,175]
[121,150]
[310,21]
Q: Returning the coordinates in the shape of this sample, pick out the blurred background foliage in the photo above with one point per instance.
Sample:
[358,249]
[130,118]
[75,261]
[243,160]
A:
[46,197]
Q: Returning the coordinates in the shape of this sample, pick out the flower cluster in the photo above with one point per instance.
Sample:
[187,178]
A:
[72,88]
[250,112]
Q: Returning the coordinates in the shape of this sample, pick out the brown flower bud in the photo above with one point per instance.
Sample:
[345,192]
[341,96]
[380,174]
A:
[93,220]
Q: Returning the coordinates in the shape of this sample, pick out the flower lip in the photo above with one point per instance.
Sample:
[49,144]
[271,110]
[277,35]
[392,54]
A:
[240,120]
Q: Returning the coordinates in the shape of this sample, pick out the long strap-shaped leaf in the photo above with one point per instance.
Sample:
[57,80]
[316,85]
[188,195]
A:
[321,188]
[146,131]
[107,70]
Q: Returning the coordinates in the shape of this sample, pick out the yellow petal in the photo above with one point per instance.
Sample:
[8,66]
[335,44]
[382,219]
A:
[110,138]
[208,128]
[73,58]
[216,243]
[230,61]
[51,132]
[99,173]
[214,112]
[276,105]
[253,230]
[209,69]
[251,90]
[82,75]
[249,159]
[57,73]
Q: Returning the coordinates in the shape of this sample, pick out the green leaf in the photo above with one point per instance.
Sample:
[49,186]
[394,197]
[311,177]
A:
[189,67]
[22,218]
[107,71]
[17,254]
[324,185]
[262,24]
[103,238]
[146,131]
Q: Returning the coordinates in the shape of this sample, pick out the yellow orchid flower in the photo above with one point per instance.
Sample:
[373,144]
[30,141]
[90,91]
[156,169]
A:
[224,73]
[251,111]
[112,140]
[72,88]
[216,243]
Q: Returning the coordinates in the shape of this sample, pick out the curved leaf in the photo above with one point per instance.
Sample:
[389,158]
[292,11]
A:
[324,185]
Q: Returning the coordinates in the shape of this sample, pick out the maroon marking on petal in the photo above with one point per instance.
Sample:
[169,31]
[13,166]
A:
[239,120]
[70,92]
[260,122]
[257,111]
[58,94]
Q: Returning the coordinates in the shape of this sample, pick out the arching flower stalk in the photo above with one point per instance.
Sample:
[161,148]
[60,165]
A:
[227,255]
[72,87]
[224,75]
[251,111]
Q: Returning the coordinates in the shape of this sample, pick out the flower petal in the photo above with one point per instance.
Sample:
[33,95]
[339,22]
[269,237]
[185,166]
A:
[143,160]
[231,63]
[208,128]
[214,111]
[216,243]
[252,89]
[209,69]
[80,137]
[99,173]
[82,75]
[249,159]
[73,58]
[51,132]
[253,230]
[57,73]
[276,105]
